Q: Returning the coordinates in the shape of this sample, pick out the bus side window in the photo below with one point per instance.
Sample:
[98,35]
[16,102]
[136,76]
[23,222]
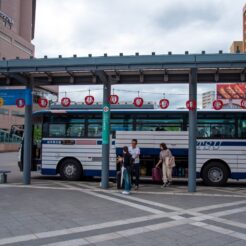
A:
[94,130]
[75,130]
[242,129]
[203,132]
[215,132]
[57,130]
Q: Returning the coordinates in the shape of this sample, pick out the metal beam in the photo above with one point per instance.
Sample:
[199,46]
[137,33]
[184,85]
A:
[101,75]
[22,80]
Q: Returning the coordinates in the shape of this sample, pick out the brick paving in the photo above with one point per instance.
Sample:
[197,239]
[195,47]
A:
[55,212]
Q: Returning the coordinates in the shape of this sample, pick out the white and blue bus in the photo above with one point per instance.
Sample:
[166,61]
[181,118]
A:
[68,142]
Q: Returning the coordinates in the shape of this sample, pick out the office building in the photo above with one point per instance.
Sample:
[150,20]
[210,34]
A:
[207,99]
[237,47]
[17,27]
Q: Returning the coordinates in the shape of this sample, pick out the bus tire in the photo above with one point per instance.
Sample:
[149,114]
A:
[215,173]
[71,169]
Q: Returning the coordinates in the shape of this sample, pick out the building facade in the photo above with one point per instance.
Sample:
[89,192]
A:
[207,99]
[237,47]
[240,46]
[17,26]
[244,28]
[17,23]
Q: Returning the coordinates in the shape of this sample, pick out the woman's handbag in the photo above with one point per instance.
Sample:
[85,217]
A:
[170,161]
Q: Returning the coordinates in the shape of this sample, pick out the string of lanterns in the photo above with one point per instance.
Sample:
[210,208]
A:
[137,101]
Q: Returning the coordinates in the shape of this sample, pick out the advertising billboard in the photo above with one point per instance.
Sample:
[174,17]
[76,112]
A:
[231,91]
[231,94]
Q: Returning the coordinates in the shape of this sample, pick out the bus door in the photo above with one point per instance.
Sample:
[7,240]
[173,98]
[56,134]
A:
[36,146]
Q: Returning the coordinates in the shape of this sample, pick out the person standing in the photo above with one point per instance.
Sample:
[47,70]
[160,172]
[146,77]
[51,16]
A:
[126,170]
[168,162]
[135,152]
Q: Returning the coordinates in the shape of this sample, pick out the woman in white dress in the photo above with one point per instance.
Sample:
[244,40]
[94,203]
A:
[168,162]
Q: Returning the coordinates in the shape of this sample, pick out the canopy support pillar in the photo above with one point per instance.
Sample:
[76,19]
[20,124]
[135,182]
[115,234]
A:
[192,131]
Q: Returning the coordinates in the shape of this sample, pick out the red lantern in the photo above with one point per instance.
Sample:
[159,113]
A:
[243,103]
[20,102]
[138,102]
[65,102]
[114,99]
[218,104]
[89,100]
[191,104]
[164,103]
[43,102]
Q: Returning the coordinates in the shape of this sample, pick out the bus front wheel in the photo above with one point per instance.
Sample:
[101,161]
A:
[215,173]
[71,169]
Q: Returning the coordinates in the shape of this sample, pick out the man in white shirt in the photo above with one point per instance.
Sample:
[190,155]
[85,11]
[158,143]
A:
[135,152]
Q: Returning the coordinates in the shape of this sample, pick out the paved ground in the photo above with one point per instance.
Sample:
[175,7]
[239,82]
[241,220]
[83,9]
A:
[55,212]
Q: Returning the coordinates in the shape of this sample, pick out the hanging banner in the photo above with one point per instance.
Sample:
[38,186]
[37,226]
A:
[138,102]
[89,100]
[43,102]
[164,103]
[191,104]
[65,102]
[218,104]
[243,103]
[9,97]
[114,99]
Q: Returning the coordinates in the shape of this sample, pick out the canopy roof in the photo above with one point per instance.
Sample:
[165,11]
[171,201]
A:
[138,69]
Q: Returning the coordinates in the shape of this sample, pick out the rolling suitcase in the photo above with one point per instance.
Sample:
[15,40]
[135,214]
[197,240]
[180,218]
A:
[156,174]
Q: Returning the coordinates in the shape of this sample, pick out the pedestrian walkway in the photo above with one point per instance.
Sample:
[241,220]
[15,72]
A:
[54,212]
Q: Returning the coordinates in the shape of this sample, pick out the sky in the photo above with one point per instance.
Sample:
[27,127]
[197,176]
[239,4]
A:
[96,27]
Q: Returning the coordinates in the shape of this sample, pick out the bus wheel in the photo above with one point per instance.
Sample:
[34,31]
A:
[215,174]
[71,169]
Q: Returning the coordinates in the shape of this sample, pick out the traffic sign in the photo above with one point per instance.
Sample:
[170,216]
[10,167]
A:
[105,109]
[9,97]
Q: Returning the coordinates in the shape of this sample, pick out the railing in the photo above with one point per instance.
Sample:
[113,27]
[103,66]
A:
[6,137]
